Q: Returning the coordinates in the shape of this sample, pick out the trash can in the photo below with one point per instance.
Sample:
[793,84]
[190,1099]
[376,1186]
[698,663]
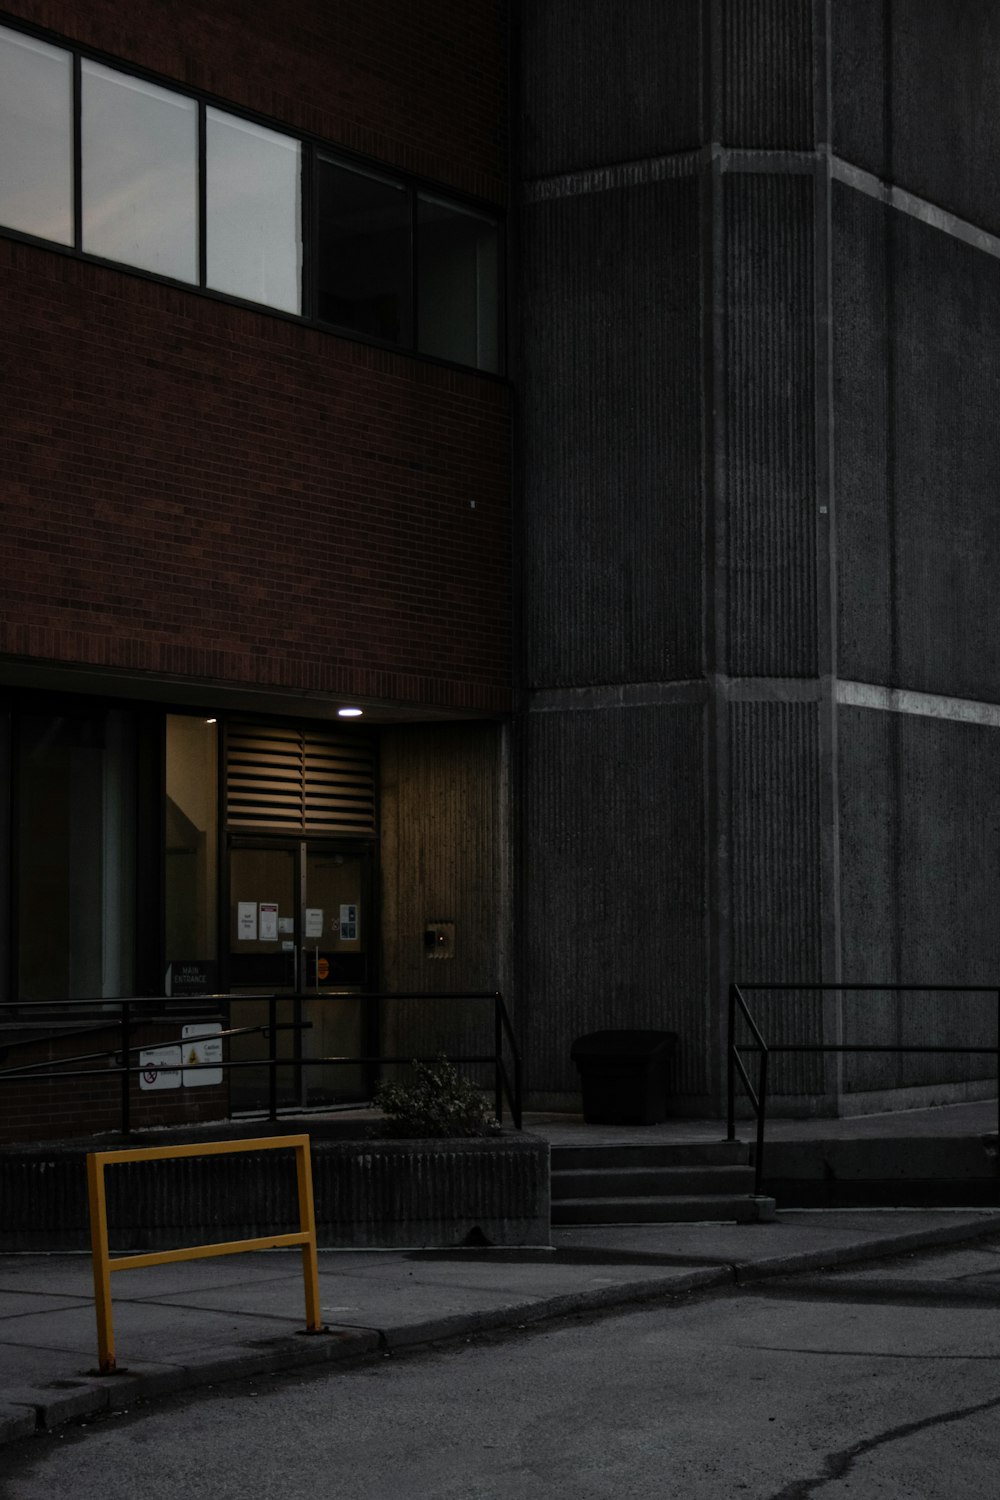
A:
[624,1075]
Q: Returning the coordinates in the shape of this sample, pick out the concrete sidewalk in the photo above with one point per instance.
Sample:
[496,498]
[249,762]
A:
[198,1323]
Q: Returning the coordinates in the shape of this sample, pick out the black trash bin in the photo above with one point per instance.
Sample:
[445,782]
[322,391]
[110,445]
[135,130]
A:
[624,1075]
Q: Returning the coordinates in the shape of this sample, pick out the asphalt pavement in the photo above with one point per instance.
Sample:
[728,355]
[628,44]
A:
[202,1323]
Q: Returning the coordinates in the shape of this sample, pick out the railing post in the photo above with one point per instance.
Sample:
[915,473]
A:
[97,1201]
[300,1097]
[307,1224]
[730,1069]
[272,1073]
[519,1115]
[758,1176]
[497,1059]
[126,1107]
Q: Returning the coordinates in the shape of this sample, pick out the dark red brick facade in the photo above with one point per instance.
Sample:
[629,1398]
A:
[416,85]
[195,489]
[57,1107]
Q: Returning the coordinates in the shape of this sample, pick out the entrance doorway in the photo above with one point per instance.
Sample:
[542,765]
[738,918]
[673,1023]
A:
[301,926]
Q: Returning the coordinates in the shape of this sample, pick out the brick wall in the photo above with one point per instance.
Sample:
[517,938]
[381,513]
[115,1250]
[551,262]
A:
[193,488]
[53,1109]
[420,85]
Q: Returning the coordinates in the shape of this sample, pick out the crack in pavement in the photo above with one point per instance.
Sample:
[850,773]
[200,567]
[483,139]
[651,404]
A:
[836,1465]
[867,1353]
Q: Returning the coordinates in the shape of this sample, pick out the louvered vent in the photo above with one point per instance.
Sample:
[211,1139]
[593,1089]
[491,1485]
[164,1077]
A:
[291,781]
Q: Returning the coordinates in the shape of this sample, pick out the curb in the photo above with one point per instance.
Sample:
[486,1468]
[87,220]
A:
[28,1410]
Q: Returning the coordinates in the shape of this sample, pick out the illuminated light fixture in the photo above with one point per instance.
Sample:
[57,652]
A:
[349,713]
[211,721]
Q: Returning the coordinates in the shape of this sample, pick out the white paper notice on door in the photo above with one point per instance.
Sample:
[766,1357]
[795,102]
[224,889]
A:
[314,921]
[246,921]
[268,921]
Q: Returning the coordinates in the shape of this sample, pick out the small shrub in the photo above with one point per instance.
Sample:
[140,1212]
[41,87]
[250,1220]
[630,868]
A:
[438,1103]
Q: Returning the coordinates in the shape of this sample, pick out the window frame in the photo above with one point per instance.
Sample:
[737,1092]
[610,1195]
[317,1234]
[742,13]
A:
[312,148]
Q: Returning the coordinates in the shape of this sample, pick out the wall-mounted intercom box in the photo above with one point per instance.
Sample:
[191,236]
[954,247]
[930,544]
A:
[439,939]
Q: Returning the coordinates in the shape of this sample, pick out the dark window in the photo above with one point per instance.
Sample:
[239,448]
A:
[364,260]
[75,831]
[457,277]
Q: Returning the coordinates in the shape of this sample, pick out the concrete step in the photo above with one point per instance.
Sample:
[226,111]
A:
[642,1182]
[655,1154]
[682,1209]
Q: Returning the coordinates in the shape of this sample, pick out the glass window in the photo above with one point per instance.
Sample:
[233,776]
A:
[253,213]
[192,858]
[75,826]
[458,284]
[140,173]
[36,137]
[364,270]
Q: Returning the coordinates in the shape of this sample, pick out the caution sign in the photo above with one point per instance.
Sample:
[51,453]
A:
[202,1044]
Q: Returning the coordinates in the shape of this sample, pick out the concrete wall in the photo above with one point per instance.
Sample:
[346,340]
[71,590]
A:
[759,469]
[611,436]
[920,850]
[615,885]
[914,86]
[671,829]
[916,385]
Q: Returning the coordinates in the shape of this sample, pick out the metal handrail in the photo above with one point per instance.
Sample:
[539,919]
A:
[124,1013]
[758,1098]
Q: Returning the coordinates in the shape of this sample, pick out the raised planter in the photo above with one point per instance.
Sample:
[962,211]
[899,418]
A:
[369,1194]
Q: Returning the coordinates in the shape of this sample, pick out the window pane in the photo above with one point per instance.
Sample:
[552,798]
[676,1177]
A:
[191,823]
[140,173]
[75,822]
[36,137]
[364,253]
[253,212]
[458,284]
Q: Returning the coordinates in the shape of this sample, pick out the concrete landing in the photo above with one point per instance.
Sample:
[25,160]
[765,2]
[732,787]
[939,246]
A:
[945,1157]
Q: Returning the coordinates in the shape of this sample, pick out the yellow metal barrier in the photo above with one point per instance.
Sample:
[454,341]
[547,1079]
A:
[104,1264]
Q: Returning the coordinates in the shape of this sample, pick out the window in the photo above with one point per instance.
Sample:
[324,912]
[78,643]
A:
[140,173]
[176,187]
[191,839]
[253,212]
[75,841]
[36,137]
[364,258]
[457,275]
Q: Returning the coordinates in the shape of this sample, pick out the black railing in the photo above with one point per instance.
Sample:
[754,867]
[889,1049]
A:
[758,1096]
[79,1018]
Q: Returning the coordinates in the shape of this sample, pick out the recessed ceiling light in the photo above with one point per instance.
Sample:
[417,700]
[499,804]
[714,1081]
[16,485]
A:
[349,713]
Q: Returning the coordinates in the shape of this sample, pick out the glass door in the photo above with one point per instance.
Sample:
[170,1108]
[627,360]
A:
[335,970]
[299,926]
[263,908]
